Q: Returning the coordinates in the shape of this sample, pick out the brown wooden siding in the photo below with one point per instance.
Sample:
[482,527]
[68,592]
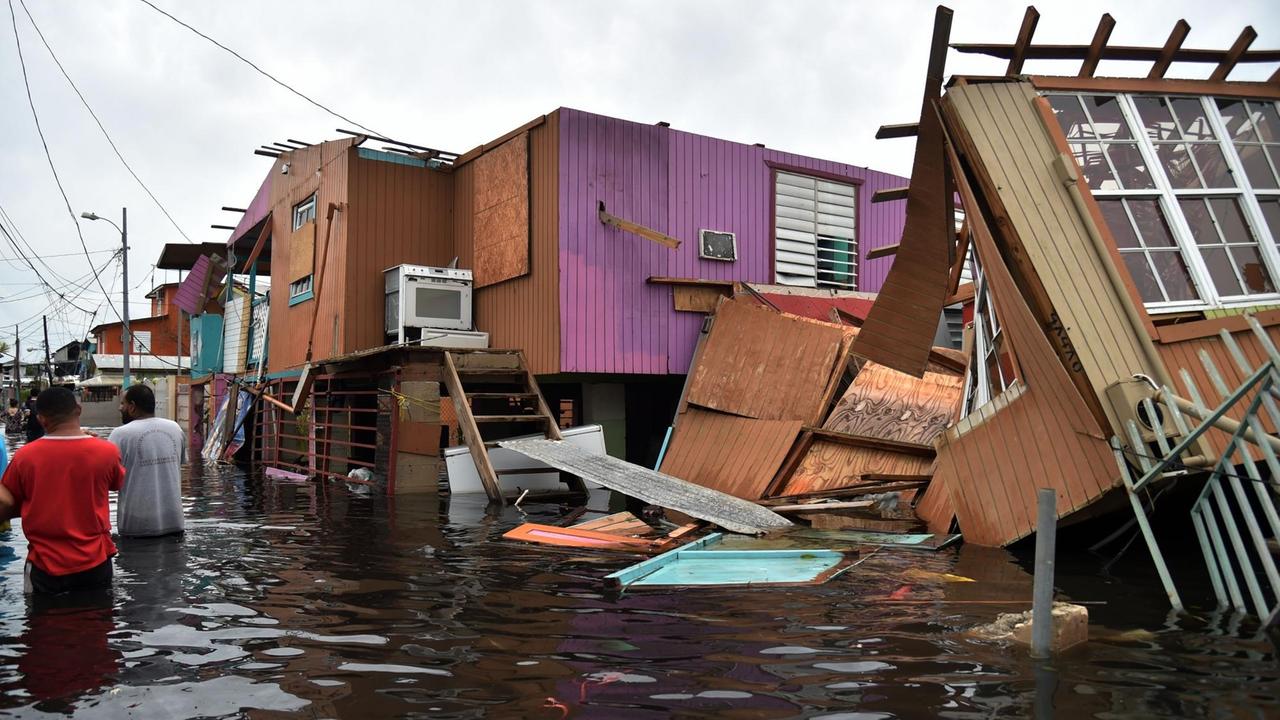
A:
[523,312]
[1186,354]
[1013,152]
[991,463]
[396,214]
[290,325]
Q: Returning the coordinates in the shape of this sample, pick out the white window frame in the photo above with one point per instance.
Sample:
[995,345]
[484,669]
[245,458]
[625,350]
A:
[1168,200]
[298,289]
[821,233]
[304,212]
[987,331]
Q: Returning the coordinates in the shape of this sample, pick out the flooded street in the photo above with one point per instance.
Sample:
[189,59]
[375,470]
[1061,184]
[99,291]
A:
[305,600]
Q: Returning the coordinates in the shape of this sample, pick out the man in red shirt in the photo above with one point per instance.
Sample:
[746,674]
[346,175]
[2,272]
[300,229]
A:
[59,485]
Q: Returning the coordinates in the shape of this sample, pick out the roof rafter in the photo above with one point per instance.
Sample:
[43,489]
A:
[1238,48]
[1100,36]
[1029,21]
[1170,50]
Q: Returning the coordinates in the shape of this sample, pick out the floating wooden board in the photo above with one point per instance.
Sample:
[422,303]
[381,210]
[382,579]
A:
[728,512]
[697,565]
[576,537]
[622,523]
[840,540]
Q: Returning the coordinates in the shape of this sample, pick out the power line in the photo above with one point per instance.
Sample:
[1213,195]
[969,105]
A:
[99,122]
[26,82]
[262,72]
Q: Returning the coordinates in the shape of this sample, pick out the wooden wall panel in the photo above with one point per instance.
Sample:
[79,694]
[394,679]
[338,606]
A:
[760,363]
[522,312]
[396,214]
[302,252]
[1044,437]
[829,465]
[500,230]
[890,405]
[732,454]
[288,336]
[1014,150]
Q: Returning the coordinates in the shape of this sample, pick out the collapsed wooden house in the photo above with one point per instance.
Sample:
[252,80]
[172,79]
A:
[1114,226]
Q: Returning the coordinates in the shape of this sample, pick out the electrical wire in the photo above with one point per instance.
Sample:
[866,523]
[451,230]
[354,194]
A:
[262,72]
[26,82]
[101,127]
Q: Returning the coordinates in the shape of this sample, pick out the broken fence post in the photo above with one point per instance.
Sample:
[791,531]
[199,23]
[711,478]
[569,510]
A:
[1042,589]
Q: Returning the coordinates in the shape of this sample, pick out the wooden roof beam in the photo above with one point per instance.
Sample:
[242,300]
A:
[883,251]
[636,228]
[1170,50]
[887,132]
[1100,36]
[1115,52]
[1238,49]
[1028,29]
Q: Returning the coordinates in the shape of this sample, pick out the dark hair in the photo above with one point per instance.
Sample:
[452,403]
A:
[142,397]
[35,392]
[13,402]
[56,403]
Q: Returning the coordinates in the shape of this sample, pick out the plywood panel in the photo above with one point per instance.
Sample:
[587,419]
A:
[732,454]
[890,405]
[696,299]
[302,251]
[829,465]
[522,312]
[763,364]
[500,232]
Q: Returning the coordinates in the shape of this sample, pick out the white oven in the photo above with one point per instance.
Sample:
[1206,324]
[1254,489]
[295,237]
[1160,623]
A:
[427,297]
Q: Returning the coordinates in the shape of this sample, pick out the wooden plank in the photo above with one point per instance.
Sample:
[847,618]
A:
[724,285]
[882,252]
[471,432]
[637,229]
[1100,36]
[1113,52]
[1182,332]
[866,441]
[892,406]
[1029,20]
[1170,49]
[653,487]
[552,428]
[961,259]
[258,245]
[1237,51]
[576,537]
[1163,86]
[890,194]
[899,330]
[902,130]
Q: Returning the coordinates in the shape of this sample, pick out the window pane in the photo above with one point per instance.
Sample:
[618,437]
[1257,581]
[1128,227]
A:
[1142,276]
[1256,167]
[1200,221]
[1156,119]
[1094,166]
[1252,269]
[1177,165]
[1174,274]
[1271,211]
[1108,122]
[1213,165]
[1220,271]
[1151,222]
[1130,166]
[1070,116]
[1236,118]
[1192,120]
[1118,221]
[1266,120]
[1231,220]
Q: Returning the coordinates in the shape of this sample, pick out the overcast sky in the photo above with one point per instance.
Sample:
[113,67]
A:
[810,77]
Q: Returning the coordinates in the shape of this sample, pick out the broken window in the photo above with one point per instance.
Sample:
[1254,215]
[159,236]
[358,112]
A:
[992,368]
[304,212]
[815,243]
[1190,189]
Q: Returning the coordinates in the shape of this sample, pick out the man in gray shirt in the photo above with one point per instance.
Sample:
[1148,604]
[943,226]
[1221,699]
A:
[152,450]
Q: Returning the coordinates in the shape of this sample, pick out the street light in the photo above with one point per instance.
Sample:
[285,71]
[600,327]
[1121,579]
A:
[123,229]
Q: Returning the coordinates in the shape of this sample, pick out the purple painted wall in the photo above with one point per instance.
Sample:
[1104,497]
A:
[676,182]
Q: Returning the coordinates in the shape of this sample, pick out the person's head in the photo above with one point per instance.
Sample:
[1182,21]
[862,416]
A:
[57,407]
[137,402]
[35,393]
[13,402]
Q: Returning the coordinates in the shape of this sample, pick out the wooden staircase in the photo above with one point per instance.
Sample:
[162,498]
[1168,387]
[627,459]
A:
[495,390]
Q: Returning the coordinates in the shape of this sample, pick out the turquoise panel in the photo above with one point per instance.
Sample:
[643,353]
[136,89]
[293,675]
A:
[743,567]
[368,154]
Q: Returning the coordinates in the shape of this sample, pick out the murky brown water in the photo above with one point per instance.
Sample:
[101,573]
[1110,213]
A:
[289,600]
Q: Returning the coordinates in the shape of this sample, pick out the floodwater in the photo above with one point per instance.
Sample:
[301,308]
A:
[305,600]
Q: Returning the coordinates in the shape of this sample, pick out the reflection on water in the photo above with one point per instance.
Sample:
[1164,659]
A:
[302,599]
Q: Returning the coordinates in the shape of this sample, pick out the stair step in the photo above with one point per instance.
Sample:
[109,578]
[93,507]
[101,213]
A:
[509,418]
[489,371]
[502,395]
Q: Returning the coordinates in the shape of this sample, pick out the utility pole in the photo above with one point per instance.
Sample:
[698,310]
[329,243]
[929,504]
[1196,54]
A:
[124,316]
[17,365]
[48,366]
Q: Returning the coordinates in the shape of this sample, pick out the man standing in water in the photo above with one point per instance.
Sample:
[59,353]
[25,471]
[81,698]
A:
[59,486]
[34,429]
[153,451]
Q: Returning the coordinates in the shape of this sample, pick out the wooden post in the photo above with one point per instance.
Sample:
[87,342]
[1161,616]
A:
[1042,588]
